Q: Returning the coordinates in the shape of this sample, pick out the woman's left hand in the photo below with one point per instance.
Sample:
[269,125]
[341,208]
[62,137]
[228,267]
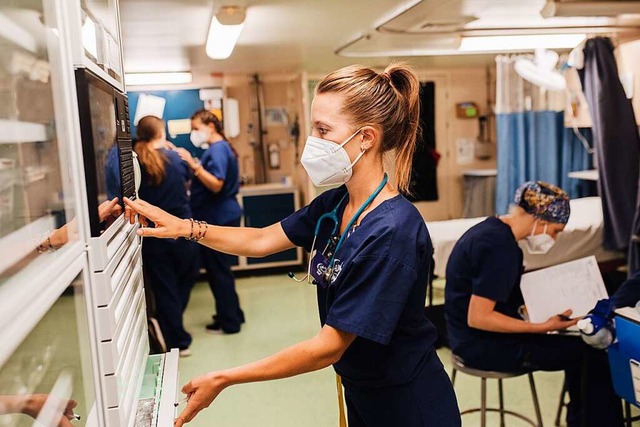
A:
[200,391]
[35,402]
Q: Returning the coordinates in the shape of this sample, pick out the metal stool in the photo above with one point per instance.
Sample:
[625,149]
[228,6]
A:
[458,365]
[562,404]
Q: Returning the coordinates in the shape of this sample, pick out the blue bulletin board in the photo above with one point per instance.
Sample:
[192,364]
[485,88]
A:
[180,104]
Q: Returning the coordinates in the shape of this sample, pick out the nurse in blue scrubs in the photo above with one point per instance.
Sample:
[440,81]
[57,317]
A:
[371,254]
[483,300]
[170,266]
[213,199]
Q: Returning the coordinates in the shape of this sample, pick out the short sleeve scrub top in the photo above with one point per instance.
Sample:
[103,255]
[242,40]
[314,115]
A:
[376,290]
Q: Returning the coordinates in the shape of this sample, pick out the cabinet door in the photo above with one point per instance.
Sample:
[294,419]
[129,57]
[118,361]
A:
[48,374]
[37,212]
[262,211]
[101,37]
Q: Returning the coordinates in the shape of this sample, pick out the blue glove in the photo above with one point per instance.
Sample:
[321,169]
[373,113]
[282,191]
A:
[597,327]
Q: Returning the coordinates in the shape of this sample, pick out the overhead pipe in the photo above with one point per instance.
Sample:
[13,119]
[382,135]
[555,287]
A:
[258,143]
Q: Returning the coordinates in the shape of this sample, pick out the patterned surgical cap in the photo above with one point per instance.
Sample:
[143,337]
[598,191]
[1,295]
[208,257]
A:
[544,201]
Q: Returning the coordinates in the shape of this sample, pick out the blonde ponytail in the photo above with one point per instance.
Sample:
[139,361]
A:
[405,82]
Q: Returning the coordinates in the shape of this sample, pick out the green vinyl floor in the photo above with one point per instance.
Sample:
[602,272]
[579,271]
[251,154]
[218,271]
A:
[281,312]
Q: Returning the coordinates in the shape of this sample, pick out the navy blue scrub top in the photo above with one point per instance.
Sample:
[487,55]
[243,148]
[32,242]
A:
[486,262]
[628,295]
[378,289]
[222,207]
[171,193]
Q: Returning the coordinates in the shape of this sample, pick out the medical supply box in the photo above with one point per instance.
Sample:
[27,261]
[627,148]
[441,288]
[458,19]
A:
[624,355]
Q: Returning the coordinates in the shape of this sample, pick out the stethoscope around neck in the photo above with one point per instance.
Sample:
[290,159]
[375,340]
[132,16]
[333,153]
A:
[333,217]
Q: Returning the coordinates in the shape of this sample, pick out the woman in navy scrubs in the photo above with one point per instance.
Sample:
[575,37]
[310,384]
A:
[213,199]
[371,263]
[482,301]
[170,266]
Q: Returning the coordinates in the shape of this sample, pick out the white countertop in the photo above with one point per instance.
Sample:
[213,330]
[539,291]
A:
[266,188]
[630,313]
[480,172]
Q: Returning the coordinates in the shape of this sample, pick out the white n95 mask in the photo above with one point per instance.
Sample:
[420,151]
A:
[539,244]
[200,138]
[326,162]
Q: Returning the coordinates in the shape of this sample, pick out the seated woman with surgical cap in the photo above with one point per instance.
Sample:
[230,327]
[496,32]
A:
[483,302]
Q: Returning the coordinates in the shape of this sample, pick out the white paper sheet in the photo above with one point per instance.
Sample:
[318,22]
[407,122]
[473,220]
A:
[575,285]
[465,150]
[149,105]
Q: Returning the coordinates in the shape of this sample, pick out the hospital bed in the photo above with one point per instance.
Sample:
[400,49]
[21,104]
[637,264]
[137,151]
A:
[583,236]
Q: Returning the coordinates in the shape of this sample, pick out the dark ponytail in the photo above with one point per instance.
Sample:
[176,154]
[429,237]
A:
[153,161]
[207,118]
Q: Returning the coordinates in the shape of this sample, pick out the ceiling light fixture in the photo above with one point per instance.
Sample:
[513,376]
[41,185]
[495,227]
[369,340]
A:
[168,78]
[224,31]
[517,43]
[554,8]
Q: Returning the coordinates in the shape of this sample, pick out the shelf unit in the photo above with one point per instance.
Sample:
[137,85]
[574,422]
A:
[24,240]
[14,33]
[81,306]
[15,131]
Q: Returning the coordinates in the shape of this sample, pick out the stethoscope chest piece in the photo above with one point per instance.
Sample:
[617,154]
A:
[327,275]
[335,241]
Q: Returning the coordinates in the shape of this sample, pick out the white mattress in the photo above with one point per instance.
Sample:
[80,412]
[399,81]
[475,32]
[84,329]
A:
[582,237]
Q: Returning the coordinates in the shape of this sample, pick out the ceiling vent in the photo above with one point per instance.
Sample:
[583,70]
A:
[441,26]
[427,16]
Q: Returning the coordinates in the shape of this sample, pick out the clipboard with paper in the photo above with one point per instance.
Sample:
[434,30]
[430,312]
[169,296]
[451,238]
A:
[575,285]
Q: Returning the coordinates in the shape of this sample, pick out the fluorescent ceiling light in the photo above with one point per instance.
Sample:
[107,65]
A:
[520,42]
[222,39]
[138,79]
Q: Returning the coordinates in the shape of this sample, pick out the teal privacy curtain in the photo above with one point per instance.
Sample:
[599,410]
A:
[533,143]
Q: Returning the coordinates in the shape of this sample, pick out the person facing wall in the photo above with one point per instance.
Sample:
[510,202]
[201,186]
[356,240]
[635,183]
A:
[170,266]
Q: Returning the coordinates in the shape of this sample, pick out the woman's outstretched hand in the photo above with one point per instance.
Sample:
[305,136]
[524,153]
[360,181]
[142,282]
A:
[201,391]
[166,225]
[187,158]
